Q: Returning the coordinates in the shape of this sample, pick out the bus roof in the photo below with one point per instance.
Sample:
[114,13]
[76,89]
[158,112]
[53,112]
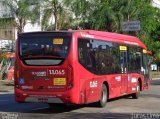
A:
[126,38]
[131,40]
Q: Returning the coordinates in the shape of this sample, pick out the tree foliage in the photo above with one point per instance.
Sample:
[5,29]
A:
[108,15]
[55,15]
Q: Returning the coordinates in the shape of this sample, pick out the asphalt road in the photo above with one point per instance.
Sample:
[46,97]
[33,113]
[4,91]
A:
[147,106]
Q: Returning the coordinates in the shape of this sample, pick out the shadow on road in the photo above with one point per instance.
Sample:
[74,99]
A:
[57,109]
[8,104]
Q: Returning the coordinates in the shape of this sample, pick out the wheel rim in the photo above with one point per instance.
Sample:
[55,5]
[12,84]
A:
[138,87]
[104,96]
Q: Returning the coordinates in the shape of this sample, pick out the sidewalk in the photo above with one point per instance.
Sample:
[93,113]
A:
[155,78]
[155,75]
[6,86]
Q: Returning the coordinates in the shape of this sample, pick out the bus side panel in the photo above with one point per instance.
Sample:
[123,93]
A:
[89,87]
[75,71]
[133,81]
[114,83]
[91,90]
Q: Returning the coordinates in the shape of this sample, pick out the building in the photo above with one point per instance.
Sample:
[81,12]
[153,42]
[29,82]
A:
[8,33]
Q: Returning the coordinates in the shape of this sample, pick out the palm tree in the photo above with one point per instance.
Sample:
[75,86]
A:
[55,15]
[52,9]
[81,10]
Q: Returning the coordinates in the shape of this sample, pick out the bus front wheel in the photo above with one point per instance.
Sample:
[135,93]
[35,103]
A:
[103,100]
[136,95]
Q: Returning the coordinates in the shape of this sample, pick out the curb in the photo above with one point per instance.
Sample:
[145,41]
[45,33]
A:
[6,91]
[155,79]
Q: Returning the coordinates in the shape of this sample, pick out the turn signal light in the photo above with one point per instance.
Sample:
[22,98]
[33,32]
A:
[70,77]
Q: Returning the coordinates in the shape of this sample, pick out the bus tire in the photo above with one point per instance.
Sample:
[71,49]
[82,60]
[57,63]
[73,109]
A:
[103,100]
[136,95]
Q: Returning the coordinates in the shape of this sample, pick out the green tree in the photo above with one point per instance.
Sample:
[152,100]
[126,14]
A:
[108,15]
[150,23]
[81,10]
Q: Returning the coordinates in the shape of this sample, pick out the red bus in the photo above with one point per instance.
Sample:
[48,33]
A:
[79,67]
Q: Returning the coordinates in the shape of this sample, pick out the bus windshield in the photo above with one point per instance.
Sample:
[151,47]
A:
[43,50]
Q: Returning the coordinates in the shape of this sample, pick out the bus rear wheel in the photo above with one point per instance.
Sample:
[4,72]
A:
[103,100]
[136,95]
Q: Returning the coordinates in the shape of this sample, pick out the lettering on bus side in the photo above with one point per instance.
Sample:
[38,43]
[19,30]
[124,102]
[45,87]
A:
[57,72]
[93,84]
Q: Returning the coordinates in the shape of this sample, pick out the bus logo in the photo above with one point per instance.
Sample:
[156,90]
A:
[21,81]
[118,78]
[42,73]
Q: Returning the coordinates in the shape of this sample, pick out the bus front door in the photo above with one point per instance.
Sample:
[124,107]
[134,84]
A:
[145,69]
[124,69]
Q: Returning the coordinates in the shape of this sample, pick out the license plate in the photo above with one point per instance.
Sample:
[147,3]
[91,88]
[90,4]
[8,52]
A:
[59,81]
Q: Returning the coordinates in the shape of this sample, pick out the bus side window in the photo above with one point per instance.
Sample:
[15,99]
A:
[135,57]
[85,54]
[99,57]
[92,60]
[138,62]
[81,56]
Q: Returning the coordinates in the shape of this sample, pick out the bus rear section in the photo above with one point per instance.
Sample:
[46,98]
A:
[43,70]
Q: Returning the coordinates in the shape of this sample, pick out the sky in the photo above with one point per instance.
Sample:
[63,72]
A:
[156,3]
